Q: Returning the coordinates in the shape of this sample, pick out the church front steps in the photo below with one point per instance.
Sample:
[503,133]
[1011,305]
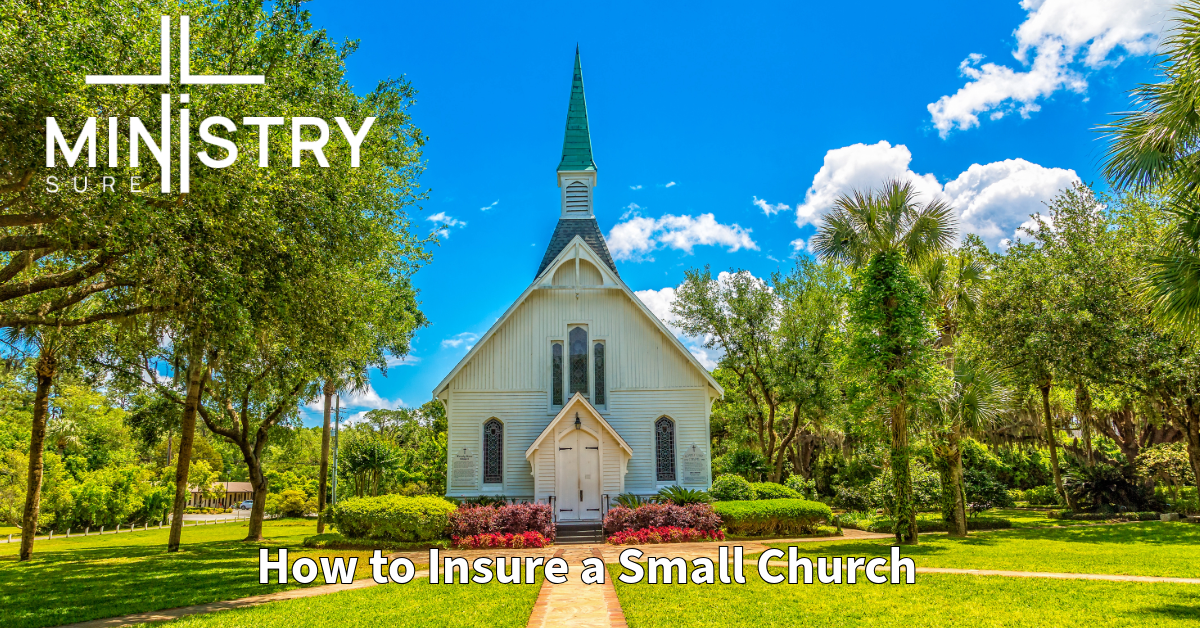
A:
[579,532]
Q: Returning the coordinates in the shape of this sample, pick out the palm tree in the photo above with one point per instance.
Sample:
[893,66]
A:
[883,234]
[357,382]
[954,283]
[976,398]
[1155,148]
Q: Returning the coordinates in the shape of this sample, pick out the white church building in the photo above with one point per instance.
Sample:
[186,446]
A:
[578,393]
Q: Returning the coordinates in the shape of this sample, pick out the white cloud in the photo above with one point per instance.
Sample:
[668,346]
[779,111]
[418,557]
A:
[493,205]
[859,167]
[446,220]
[1066,39]
[992,199]
[770,209]
[670,184]
[635,238]
[464,339]
[368,399]
[404,360]
[635,187]
[797,246]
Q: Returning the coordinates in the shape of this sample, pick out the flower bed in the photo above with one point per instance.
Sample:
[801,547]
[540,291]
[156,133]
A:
[498,540]
[473,520]
[669,534]
[696,516]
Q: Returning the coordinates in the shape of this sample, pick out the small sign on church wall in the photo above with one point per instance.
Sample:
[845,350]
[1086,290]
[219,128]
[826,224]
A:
[695,465]
[464,469]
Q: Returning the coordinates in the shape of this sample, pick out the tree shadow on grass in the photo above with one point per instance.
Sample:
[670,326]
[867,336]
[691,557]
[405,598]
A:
[68,585]
[1173,611]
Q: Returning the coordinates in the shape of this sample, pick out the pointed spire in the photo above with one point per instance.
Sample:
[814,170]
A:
[577,143]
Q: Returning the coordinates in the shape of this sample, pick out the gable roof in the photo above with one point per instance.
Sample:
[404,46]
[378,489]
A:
[568,228]
[568,407]
[662,327]
[577,141]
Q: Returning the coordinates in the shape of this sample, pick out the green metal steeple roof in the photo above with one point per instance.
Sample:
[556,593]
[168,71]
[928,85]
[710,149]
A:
[577,144]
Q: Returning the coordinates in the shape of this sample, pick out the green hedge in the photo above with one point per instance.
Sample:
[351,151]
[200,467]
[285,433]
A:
[1103,516]
[772,516]
[729,487]
[771,490]
[885,526]
[393,518]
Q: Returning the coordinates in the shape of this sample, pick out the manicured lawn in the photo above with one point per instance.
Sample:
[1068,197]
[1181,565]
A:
[934,600]
[1138,549]
[82,578]
[1026,518]
[417,603]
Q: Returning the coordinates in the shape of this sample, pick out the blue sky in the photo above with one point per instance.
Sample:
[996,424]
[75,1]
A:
[723,131]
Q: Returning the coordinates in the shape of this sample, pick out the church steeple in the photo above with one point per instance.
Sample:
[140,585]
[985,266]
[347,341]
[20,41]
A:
[577,142]
[577,170]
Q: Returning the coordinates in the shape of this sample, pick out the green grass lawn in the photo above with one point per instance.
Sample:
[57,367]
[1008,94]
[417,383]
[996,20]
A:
[1028,518]
[417,603]
[1138,549]
[82,578]
[934,600]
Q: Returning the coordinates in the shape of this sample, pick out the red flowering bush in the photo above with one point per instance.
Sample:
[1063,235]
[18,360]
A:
[472,520]
[504,541]
[668,534]
[695,516]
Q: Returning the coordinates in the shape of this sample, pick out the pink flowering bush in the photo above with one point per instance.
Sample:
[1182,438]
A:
[695,516]
[472,520]
[668,534]
[503,541]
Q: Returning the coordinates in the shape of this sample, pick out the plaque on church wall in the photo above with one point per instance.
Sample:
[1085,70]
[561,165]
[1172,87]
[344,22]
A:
[695,465]
[464,470]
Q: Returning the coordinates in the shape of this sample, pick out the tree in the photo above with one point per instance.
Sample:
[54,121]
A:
[954,283]
[367,459]
[779,339]
[881,234]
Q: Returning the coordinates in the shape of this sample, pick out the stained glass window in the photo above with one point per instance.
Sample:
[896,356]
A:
[579,374]
[556,374]
[493,452]
[664,449]
[598,358]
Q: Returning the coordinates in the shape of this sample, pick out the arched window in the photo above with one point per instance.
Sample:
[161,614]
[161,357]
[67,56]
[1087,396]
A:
[556,374]
[493,452]
[579,353]
[664,449]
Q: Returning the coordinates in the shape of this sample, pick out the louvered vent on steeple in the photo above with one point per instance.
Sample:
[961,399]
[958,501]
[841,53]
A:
[577,197]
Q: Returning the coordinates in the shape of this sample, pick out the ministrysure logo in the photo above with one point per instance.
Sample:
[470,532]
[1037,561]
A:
[160,150]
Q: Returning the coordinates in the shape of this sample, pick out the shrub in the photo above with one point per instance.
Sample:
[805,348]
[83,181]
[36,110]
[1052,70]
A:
[852,498]
[771,490]
[772,516]
[698,516]
[984,492]
[926,487]
[1102,487]
[472,520]
[683,496]
[1044,495]
[671,534]
[806,488]
[290,503]
[730,488]
[501,540]
[392,517]
[629,500]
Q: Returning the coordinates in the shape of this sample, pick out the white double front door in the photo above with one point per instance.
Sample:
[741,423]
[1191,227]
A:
[578,485]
